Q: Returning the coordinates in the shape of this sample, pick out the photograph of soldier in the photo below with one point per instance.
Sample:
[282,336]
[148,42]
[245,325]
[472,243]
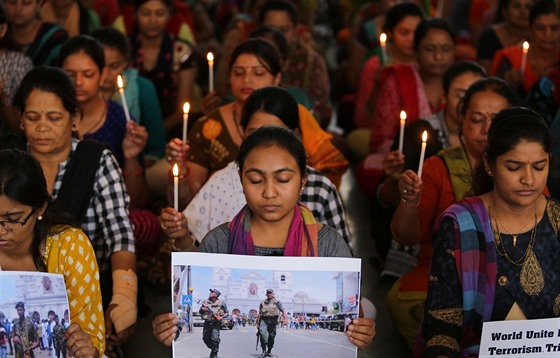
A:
[269,312]
[24,334]
[59,338]
[212,311]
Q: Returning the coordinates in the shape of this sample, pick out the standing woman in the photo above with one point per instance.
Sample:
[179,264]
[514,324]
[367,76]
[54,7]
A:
[37,237]
[272,168]
[84,180]
[510,230]
[39,39]
[169,62]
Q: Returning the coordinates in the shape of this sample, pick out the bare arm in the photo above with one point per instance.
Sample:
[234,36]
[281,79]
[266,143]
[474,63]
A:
[405,224]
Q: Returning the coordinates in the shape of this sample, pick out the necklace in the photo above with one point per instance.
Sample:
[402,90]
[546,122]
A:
[97,123]
[531,278]
[237,125]
[514,236]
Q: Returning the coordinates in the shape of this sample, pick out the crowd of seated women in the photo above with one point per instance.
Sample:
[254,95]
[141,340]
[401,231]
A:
[92,98]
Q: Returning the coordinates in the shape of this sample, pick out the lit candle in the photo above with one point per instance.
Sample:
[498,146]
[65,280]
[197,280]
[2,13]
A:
[524,58]
[210,58]
[383,42]
[186,108]
[422,153]
[401,136]
[120,83]
[176,187]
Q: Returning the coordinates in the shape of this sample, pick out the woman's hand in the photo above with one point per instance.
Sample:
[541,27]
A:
[410,188]
[134,141]
[164,328]
[174,224]
[79,343]
[393,164]
[115,338]
[176,151]
[361,332]
[211,101]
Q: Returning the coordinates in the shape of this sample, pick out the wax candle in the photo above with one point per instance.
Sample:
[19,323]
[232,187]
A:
[210,58]
[176,187]
[524,57]
[383,43]
[120,84]
[401,136]
[422,153]
[186,108]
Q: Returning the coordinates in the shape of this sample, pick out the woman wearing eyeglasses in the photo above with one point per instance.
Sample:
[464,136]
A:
[34,237]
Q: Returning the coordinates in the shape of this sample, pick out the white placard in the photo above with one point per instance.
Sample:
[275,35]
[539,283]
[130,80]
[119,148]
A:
[320,295]
[528,338]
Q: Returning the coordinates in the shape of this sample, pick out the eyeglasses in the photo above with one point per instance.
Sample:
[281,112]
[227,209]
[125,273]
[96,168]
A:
[11,225]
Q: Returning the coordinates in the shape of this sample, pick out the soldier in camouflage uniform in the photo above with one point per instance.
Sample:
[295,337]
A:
[269,311]
[24,334]
[212,311]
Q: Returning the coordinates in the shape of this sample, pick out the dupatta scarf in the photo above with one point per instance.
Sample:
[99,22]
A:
[302,235]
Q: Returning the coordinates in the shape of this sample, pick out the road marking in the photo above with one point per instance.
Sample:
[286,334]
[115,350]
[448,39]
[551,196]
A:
[322,341]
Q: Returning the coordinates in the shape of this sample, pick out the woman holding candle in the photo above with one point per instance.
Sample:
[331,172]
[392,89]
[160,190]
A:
[214,140]
[446,179]
[443,129]
[37,237]
[400,24]
[510,230]
[544,50]
[169,62]
[415,89]
[272,168]
[84,180]
[510,28]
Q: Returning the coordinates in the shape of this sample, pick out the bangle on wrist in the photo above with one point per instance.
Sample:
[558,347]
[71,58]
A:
[406,203]
[178,249]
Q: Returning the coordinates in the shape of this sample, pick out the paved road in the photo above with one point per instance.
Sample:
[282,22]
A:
[289,343]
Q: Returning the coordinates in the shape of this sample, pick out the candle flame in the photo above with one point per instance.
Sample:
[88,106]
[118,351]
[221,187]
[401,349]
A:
[120,82]
[525,46]
[186,108]
[425,136]
[383,39]
[403,116]
[175,170]
[210,57]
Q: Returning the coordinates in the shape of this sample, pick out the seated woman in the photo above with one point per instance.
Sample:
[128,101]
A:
[37,237]
[400,25]
[444,130]
[414,90]
[72,15]
[84,180]
[446,179]
[510,28]
[544,50]
[222,197]
[272,168]
[510,230]
[214,140]
[39,40]
[169,62]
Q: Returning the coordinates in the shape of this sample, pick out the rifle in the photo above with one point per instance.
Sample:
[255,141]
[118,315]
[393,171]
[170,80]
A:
[258,334]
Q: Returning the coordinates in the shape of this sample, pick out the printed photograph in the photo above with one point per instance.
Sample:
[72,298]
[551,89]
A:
[251,306]
[33,314]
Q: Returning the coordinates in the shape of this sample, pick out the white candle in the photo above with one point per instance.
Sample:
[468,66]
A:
[186,108]
[120,84]
[383,43]
[422,153]
[401,136]
[524,58]
[210,58]
[176,187]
